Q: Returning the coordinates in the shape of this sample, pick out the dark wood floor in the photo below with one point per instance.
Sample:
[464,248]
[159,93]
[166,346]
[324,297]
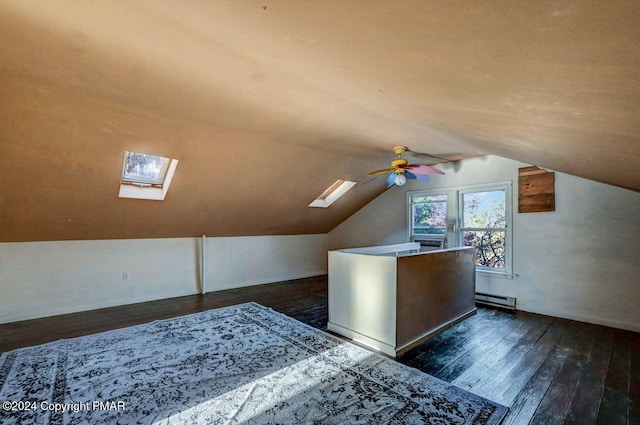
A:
[547,370]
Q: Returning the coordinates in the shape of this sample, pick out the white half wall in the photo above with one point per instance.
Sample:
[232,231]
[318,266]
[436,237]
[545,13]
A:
[39,279]
[580,262]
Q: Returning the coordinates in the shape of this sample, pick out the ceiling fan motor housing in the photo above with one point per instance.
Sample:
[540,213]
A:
[398,163]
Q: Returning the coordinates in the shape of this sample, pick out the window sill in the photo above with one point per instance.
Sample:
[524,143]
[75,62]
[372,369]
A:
[501,275]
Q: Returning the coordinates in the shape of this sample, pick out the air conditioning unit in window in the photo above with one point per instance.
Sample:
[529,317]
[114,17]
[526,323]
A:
[430,242]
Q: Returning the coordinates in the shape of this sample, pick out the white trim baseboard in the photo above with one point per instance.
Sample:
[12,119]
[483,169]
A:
[362,339]
[579,318]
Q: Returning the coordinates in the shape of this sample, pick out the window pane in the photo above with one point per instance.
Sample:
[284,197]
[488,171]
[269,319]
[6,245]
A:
[430,218]
[484,209]
[490,247]
[143,167]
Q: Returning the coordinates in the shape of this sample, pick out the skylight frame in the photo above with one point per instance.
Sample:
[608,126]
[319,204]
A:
[140,187]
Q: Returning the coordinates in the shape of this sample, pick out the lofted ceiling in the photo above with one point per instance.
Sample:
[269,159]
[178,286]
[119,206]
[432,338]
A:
[265,104]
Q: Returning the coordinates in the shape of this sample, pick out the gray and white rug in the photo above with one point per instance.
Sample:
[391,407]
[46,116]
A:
[244,364]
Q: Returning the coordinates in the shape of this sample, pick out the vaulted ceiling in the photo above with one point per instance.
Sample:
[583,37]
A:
[265,104]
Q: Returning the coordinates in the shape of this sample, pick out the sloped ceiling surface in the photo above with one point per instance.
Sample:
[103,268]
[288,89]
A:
[267,103]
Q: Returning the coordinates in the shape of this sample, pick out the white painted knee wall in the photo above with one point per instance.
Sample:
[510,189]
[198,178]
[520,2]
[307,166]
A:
[39,279]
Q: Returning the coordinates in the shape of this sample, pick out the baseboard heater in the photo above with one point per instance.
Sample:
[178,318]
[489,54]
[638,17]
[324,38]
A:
[496,300]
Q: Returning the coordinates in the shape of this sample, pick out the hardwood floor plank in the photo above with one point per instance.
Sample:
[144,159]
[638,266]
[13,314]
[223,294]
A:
[435,360]
[496,365]
[489,349]
[615,395]
[584,406]
[506,386]
[528,399]
[554,407]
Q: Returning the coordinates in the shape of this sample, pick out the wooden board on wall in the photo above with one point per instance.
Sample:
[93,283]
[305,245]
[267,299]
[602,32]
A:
[536,190]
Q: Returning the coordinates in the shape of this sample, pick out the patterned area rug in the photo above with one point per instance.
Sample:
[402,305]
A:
[244,364]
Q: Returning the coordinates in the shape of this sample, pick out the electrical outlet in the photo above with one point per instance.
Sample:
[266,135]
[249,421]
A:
[125,276]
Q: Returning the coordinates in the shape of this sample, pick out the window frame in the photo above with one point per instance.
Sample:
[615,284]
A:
[455,224]
[460,229]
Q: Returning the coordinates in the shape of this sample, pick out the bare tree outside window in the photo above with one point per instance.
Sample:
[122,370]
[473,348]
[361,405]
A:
[429,215]
[484,226]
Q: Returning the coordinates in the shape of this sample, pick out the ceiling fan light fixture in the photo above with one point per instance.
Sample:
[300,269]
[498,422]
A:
[400,179]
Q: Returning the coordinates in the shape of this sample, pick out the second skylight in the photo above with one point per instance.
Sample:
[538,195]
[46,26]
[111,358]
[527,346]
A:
[333,192]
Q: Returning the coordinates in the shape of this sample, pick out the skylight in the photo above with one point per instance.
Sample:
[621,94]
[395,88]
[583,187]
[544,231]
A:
[144,169]
[146,176]
[335,191]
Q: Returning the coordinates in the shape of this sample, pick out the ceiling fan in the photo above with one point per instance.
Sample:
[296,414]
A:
[401,170]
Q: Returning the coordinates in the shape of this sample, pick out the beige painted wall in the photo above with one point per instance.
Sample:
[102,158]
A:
[579,262]
[39,279]
[381,222]
[243,261]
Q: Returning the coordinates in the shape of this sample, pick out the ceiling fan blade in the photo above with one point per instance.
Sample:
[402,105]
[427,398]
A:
[428,155]
[384,171]
[423,169]
[424,178]
[391,180]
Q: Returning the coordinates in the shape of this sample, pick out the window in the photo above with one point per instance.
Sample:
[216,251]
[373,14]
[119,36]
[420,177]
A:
[477,216]
[146,176]
[333,192]
[483,218]
[428,214]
